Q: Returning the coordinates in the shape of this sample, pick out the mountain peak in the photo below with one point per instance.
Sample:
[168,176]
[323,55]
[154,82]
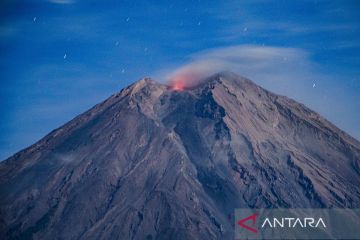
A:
[144,82]
[181,83]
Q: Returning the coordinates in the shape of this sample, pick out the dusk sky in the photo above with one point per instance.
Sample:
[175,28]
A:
[61,57]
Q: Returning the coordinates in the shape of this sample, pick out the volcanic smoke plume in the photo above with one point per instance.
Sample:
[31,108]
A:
[193,74]
[152,162]
[253,60]
[187,77]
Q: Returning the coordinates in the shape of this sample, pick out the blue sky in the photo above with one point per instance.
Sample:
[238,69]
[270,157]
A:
[60,57]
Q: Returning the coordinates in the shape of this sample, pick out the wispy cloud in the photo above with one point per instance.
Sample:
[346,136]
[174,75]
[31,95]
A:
[247,19]
[270,28]
[62,1]
[243,59]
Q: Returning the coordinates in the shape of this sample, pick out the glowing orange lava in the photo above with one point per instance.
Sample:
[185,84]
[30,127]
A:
[178,84]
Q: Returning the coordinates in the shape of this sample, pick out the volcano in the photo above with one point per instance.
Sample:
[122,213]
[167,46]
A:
[153,162]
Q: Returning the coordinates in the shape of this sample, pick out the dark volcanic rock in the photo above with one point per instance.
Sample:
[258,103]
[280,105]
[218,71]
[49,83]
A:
[153,163]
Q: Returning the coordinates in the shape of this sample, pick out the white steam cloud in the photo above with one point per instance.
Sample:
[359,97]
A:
[62,1]
[253,61]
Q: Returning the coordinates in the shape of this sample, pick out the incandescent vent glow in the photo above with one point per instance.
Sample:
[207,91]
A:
[178,83]
[183,80]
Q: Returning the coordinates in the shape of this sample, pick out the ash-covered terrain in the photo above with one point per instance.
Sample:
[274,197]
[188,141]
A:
[154,162]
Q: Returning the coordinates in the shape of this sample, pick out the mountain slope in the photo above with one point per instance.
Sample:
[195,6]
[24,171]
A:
[154,163]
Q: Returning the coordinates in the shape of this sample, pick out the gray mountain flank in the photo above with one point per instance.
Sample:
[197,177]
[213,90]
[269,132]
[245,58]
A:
[153,163]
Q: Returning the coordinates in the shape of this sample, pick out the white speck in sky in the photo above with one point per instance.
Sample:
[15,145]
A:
[65,56]
[34,19]
[199,23]
[117,43]
[245,29]
[314,85]
[123,70]
[128,19]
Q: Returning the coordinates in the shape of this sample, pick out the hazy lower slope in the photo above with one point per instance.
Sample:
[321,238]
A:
[154,163]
